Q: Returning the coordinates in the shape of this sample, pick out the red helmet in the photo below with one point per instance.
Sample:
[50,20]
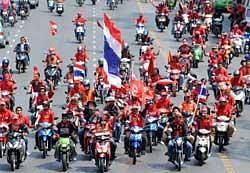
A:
[197,33]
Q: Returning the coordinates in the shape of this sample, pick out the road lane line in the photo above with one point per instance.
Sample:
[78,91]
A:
[227,163]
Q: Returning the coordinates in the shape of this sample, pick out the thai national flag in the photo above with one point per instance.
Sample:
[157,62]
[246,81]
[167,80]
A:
[203,93]
[112,50]
[79,72]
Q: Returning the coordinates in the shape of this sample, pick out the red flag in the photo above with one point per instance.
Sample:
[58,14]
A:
[137,88]
[151,67]
[52,28]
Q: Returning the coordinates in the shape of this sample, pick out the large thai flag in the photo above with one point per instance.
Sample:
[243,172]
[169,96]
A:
[112,50]
[79,72]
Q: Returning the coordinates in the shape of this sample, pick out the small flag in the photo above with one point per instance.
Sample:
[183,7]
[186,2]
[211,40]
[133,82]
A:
[79,72]
[99,24]
[52,28]
[203,93]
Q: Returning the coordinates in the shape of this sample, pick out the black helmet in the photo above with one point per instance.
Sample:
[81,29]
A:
[237,73]
[5,62]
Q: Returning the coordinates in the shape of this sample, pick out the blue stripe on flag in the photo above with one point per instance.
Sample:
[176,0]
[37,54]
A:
[112,59]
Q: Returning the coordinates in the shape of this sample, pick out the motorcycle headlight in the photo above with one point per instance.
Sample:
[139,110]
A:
[202,149]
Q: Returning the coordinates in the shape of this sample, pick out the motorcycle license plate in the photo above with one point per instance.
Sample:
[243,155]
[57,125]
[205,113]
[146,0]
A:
[79,29]
[153,127]
[11,18]
[59,9]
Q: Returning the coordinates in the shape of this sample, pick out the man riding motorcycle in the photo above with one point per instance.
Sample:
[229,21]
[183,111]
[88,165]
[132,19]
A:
[187,106]
[225,109]
[23,47]
[40,98]
[89,94]
[236,30]
[245,69]
[81,55]
[5,67]
[185,49]
[140,19]
[66,129]
[77,89]
[36,83]
[179,129]
[162,8]
[79,20]
[135,120]
[53,58]
[237,80]
[111,107]
[7,84]
[46,115]
[197,39]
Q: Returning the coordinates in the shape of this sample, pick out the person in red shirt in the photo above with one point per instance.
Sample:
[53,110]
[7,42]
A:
[197,38]
[245,69]
[77,89]
[236,30]
[36,83]
[164,102]
[81,55]
[150,110]
[185,49]
[79,19]
[135,120]
[220,70]
[162,8]
[46,115]
[100,73]
[40,98]
[53,58]
[224,108]
[223,39]
[199,28]
[237,80]
[22,118]
[5,114]
[140,19]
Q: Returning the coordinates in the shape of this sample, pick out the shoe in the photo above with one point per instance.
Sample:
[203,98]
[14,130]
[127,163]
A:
[142,152]
[74,158]
[27,153]
[162,142]
[187,159]
[166,153]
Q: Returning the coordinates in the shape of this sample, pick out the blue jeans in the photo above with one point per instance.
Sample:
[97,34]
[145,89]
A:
[117,130]
[187,148]
[80,135]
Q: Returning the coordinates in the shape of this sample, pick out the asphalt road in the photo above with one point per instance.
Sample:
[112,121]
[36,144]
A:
[235,159]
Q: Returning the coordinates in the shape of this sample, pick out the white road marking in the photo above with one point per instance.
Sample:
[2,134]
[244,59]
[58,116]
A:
[23,22]
[13,40]
[8,52]
[94,47]
[11,45]
[94,31]
[94,59]
[21,26]
[94,15]
[94,37]
[94,65]
[19,30]
[94,41]
[94,53]
[16,35]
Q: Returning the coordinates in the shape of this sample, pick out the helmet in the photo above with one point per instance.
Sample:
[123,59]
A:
[247,57]
[52,50]
[198,23]
[79,14]
[79,48]
[126,46]
[197,33]
[5,62]
[185,41]
[86,82]
[145,32]
[100,62]
[237,73]
[187,95]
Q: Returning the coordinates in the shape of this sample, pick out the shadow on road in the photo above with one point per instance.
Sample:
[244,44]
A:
[4,167]
[51,166]
[87,169]
[163,166]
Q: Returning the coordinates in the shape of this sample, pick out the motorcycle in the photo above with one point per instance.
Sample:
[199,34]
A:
[4,128]
[59,8]
[80,32]
[34,112]
[52,74]
[140,28]
[135,142]
[80,2]
[162,21]
[178,30]
[175,76]
[64,152]
[197,55]
[178,158]
[112,4]
[151,129]
[246,41]
[217,26]
[21,61]
[222,123]
[101,91]
[16,150]
[186,64]
[237,45]
[239,99]
[5,16]
[103,151]
[202,146]
[45,135]
[51,5]
[11,20]
[23,14]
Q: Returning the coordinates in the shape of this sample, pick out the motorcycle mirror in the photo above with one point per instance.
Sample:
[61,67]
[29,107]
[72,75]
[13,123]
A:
[66,92]
[25,88]
[63,107]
